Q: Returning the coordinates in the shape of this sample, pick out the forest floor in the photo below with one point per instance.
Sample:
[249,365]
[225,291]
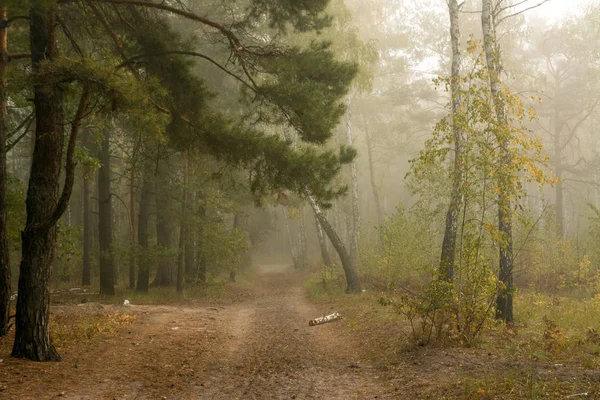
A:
[259,346]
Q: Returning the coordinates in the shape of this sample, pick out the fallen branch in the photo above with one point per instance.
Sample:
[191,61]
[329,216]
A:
[323,320]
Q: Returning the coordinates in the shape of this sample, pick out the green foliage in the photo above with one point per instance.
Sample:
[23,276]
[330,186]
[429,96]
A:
[303,15]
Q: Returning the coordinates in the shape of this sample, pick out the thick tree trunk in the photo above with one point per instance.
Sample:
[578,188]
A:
[165,274]
[355,226]
[352,280]
[182,230]
[105,229]
[132,256]
[32,335]
[447,258]
[86,279]
[143,235]
[380,220]
[504,303]
[4,259]
[322,243]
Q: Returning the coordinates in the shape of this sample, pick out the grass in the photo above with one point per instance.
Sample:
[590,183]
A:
[552,351]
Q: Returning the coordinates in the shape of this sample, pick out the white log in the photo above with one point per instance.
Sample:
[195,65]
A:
[323,320]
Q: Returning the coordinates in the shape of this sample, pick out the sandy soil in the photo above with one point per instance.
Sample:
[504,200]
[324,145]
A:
[261,348]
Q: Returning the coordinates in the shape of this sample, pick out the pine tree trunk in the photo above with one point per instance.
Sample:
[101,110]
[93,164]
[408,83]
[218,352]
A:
[105,229]
[32,335]
[200,257]
[182,230]
[355,225]
[352,280]
[86,279]
[143,281]
[164,227]
[322,243]
[380,220]
[447,258]
[132,256]
[4,259]
[504,303]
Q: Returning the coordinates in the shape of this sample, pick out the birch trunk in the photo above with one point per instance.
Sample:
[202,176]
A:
[447,259]
[322,243]
[504,302]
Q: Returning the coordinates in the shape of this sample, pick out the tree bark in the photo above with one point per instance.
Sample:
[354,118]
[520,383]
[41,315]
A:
[143,235]
[352,279]
[32,335]
[105,229]
[132,257]
[380,220]
[200,257]
[322,243]
[165,274]
[182,230]
[355,231]
[447,258]
[86,279]
[5,276]
[504,302]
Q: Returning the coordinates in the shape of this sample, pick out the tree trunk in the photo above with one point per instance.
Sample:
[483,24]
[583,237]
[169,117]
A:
[86,279]
[4,259]
[32,335]
[132,256]
[352,280]
[380,220]
[164,227]
[200,257]
[559,190]
[355,230]
[143,234]
[447,258]
[504,303]
[182,230]
[322,243]
[302,240]
[105,229]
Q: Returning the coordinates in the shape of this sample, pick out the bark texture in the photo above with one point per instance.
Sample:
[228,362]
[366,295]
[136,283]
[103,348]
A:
[504,303]
[32,335]
[447,259]
[86,278]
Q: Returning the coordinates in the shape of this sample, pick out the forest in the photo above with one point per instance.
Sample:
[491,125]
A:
[299,199]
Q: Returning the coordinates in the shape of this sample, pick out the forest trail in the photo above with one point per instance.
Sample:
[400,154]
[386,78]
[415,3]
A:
[261,348]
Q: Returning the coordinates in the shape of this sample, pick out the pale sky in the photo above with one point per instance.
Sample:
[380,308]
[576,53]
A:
[554,10]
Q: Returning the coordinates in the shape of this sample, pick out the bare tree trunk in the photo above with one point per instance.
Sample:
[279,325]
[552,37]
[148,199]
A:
[504,303]
[293,250]
[105,229]
[200,257]
[132,256]
[559,190]
[352,280]
[183,230]
[302,240]
[380,220]
[4,259]
[322,243]
[447,259]
[355,231]
[143,235]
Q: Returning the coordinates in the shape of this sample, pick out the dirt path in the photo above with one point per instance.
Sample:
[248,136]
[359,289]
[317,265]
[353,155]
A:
[258,349]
